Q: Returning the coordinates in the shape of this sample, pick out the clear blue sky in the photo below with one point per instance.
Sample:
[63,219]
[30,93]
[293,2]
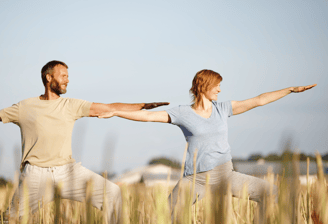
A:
[146,51]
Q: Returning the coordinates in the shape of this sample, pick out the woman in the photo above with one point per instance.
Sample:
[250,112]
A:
[204,124]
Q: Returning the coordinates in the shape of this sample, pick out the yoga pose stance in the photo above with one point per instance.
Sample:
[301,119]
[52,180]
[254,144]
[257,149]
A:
[204,125]
[46,123]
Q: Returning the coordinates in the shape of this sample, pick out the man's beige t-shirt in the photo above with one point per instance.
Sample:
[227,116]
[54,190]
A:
[46,128]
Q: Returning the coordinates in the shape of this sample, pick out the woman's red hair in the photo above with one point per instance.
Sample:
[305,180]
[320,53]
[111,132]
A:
[203,81]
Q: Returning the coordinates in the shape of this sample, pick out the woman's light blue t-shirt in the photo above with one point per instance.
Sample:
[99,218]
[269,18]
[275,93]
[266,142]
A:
[209,136]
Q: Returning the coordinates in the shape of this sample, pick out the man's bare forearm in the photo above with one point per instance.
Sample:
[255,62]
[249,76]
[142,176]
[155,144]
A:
[137,106]
[99,108]
[126,106]
[270,97]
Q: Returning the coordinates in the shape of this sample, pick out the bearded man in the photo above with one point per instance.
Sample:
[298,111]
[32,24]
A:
[46,123]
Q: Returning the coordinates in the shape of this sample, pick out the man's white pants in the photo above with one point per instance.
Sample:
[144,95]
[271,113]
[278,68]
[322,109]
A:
[73,178]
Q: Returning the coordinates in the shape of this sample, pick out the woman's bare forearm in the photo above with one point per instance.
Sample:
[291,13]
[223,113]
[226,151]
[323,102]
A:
[140,115]
[270,97]
[239,107]
[144,116]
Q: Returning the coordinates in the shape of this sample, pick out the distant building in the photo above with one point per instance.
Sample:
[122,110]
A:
[150,175]
[261,167]
[161,174]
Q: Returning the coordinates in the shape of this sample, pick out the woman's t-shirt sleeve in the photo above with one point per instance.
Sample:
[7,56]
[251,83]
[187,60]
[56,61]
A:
[224,107]
[174,114]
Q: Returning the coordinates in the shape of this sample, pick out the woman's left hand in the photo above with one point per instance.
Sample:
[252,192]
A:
[106,115]
[300,89]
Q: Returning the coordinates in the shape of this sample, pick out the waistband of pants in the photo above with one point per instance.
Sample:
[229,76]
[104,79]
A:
[50,168]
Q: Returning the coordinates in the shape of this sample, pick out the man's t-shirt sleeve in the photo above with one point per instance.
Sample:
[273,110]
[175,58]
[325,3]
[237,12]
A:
[79,108]
[10,114]
[174,114]
[224,107]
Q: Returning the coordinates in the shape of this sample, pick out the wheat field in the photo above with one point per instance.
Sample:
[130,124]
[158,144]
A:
[141,204]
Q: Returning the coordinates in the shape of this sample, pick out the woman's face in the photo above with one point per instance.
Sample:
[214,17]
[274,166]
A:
[212,94]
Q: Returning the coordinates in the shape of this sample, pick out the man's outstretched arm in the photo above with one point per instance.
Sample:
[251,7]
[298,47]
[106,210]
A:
[98,108]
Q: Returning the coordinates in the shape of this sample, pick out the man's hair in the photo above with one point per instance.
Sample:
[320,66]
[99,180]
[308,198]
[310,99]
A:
[49,69]
[203,81]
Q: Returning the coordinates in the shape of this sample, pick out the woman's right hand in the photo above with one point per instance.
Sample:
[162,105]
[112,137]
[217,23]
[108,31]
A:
[106,115]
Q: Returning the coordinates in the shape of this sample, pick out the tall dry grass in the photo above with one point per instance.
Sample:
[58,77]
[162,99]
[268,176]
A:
[141,204]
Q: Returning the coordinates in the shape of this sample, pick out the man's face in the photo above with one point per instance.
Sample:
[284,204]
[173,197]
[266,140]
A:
[59,81]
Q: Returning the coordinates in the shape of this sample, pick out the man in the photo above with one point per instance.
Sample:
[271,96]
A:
[46,123]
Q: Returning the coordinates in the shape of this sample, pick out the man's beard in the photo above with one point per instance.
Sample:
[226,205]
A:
[55,86]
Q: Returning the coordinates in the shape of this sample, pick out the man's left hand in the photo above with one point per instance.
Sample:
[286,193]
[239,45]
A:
[149,106]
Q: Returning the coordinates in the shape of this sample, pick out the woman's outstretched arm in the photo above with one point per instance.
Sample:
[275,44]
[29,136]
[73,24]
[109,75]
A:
[239,107]
[142,115]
